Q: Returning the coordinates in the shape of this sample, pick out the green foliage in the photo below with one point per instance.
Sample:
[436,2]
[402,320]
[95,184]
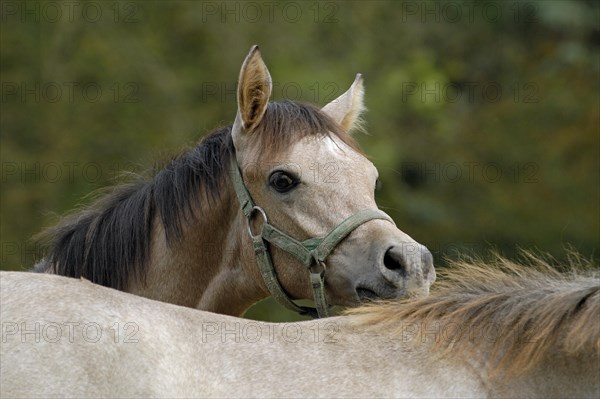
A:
[483,121]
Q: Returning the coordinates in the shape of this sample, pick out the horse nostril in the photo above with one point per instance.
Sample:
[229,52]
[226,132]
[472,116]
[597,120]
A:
[393,261]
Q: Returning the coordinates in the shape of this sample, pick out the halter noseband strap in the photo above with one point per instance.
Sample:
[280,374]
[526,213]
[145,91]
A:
[310,253]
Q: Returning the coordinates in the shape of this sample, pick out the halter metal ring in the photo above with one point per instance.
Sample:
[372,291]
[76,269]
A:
[318,265]
[261,212]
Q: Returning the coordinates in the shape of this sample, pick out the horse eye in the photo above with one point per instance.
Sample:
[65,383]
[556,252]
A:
[377,185]
[282,182]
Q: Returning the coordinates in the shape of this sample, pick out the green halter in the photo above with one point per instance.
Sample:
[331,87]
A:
[310,253]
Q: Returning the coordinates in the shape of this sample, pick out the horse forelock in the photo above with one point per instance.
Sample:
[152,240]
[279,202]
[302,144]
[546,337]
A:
[109,241]
[287,122]
[518,314]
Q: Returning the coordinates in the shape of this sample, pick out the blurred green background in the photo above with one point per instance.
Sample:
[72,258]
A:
[483,116]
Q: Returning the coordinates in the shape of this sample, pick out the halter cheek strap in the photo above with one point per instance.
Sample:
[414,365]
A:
[310,253]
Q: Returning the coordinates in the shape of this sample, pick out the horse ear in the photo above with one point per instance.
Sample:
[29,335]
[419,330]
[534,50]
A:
[347,108]
[253,92]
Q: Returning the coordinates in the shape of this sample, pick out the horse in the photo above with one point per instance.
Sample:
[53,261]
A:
[279,203]
[485,331]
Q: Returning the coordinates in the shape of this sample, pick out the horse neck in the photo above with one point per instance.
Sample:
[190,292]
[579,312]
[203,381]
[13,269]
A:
[206,269]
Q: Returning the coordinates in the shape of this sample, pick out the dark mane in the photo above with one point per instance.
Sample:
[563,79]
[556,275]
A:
[109,241]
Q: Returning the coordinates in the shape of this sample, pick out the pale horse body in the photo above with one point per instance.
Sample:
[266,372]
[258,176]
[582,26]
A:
[181,237]
[511,332]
